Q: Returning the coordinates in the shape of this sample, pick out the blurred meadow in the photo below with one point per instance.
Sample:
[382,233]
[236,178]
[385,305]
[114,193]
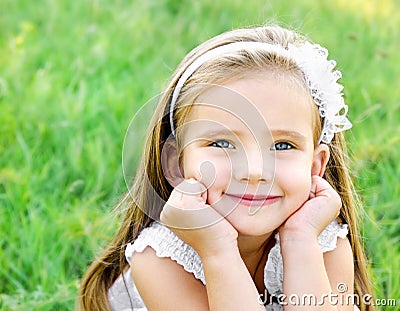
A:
[73,74]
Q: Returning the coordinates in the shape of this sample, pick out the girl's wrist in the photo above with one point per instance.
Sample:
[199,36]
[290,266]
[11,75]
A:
[300,248]
[289,238]
[222,254]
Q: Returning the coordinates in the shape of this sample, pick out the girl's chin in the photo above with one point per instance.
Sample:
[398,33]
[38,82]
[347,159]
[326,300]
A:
[250,229]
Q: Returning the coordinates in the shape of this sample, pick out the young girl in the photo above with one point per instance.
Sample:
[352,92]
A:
[243,200]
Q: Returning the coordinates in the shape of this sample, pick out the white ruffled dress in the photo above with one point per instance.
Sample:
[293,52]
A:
[166,244]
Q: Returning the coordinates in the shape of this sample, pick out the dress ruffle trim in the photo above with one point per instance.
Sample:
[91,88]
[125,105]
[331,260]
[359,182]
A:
[167,244]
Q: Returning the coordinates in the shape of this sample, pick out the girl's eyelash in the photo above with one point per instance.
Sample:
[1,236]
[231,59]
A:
[283,145]
[222,144]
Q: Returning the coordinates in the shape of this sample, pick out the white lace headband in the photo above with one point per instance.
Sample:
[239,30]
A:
[318,70]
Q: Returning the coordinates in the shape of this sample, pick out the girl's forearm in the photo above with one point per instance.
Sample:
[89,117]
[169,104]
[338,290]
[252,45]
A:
[305,282]
[229,284]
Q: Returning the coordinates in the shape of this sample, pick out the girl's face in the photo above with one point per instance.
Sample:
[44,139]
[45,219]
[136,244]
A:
[251,144]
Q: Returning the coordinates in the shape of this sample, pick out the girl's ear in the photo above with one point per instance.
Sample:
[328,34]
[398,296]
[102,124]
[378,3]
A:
[320,160]
[170,163]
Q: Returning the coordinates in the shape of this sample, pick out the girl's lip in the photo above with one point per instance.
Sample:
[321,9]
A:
[254,200]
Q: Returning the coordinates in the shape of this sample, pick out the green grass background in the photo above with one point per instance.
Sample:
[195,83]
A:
[73,74]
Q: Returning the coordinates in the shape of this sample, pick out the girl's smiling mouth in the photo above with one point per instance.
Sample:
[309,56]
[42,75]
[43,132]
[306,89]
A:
[253,200]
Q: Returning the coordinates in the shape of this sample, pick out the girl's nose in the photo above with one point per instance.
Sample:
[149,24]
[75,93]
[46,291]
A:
[256,167]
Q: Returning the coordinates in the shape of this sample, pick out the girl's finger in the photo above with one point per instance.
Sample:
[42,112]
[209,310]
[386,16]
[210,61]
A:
[320,187]
[191,187]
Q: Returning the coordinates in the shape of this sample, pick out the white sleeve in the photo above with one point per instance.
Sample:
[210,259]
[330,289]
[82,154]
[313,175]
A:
[167,244]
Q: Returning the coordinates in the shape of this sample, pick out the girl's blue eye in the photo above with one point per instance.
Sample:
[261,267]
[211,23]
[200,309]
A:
[282,146]
[222,144]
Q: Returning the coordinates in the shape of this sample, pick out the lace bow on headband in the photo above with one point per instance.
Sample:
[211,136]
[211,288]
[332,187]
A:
[312,59]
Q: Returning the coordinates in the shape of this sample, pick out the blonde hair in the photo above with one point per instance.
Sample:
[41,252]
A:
[150,189]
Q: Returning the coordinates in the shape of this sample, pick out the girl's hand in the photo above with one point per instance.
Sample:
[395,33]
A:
[194,221]
[315,214]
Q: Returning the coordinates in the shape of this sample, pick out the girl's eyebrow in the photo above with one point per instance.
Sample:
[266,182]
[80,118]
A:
[216,132]
[297,136]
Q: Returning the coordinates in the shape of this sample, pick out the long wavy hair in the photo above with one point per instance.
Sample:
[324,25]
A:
[144,201]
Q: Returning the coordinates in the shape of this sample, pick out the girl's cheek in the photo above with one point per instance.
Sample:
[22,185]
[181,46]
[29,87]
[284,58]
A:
[205,168]
[294,175]
[216,176]
[192,163]
[212,172]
